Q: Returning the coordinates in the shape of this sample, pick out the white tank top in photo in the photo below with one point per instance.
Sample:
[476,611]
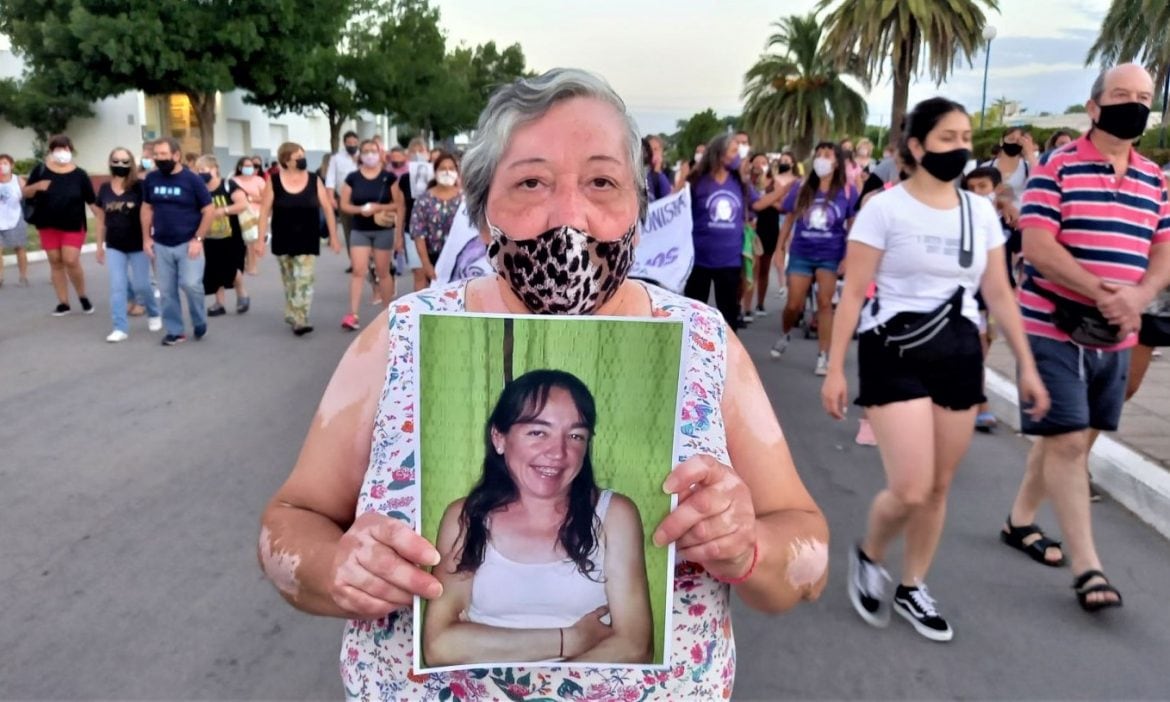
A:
[377,655]
[549,595]
[11,214]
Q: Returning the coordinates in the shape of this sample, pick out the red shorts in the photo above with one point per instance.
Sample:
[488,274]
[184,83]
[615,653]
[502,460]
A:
[54,239]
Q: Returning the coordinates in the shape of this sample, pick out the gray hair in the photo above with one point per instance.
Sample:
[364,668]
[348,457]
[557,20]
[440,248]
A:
[526,100]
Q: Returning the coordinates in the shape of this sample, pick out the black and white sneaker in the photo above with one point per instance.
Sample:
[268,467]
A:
[86,306]
[868,583]
[61,310]
[917,607]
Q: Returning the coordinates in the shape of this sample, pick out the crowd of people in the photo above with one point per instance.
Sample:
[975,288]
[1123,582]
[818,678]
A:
[171,225]
[922,256]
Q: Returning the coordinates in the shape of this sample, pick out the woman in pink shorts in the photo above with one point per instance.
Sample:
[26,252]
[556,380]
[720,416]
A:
[60,191]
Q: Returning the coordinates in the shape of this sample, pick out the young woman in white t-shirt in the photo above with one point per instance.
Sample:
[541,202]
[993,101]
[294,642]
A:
[909,240]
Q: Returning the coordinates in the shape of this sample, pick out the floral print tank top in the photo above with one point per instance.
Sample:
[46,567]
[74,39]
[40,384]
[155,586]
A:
[376,655]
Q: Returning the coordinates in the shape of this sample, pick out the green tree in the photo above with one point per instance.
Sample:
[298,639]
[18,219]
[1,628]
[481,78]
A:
[451,103]
[34,103]
[1121,40]
[798,96]
[699,128]
[96,49]
[1074,109]
[911,35]
[339,77]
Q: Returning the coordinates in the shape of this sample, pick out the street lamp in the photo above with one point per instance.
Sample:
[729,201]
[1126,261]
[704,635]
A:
[988,35]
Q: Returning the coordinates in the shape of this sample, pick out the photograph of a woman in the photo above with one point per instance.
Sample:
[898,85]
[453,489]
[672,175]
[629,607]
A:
[539,562]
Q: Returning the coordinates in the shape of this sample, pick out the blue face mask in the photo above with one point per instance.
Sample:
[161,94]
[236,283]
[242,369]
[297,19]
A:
[247,170]
[147,163]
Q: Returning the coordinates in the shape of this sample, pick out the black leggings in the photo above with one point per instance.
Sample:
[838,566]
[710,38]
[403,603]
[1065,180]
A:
[726,282]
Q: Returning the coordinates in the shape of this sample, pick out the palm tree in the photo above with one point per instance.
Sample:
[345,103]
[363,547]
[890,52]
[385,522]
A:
[1137,30]
[912,34]
[798,96]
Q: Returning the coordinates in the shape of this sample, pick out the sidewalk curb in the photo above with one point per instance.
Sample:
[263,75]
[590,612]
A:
[1135,481]
[39,256]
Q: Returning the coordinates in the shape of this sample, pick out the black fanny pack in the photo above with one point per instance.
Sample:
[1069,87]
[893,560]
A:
[926,336]
[1084,324]
[933,335]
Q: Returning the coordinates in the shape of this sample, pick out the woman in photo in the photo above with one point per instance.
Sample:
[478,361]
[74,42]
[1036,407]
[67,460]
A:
[538,562]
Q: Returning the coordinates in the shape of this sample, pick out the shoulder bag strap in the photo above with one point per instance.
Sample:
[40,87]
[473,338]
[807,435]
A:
[966,232]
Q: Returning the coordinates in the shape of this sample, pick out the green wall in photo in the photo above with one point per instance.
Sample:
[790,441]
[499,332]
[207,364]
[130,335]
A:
[632,369]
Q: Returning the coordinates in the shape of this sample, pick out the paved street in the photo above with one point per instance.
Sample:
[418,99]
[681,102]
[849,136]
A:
[133,477]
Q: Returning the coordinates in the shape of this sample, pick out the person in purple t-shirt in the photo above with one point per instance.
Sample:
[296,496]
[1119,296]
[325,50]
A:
[718,194]
[820,212]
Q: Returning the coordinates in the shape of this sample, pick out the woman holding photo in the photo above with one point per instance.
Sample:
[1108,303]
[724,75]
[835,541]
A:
[555,166]
[537,556]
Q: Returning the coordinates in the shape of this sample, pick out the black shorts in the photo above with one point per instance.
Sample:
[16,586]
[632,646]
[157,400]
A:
[1155,331]
[954,383]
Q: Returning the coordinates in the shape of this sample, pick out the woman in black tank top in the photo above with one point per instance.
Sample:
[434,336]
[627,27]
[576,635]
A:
[296,202]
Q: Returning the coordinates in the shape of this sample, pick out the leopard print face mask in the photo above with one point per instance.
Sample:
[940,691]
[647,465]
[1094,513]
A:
[564,270]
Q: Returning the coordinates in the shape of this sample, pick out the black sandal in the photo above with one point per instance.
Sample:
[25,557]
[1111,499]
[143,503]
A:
[1015,536]
[1084,592]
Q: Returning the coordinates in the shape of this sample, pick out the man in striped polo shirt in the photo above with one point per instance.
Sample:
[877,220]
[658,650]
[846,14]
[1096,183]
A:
[1096,231]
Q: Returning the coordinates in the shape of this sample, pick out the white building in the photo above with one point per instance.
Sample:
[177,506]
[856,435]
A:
[132,118]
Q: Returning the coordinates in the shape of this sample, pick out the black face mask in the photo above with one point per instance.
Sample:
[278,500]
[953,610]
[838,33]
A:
[205,177]
[847,153]
[1126,120]
[164,165]
[784,168]
[302,164]
[119,171]
[1012,150]
[946,165]
[351,150]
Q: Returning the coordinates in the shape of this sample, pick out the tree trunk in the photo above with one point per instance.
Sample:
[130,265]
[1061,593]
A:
[335,121]
[901,96]
[204,104]
[509,349]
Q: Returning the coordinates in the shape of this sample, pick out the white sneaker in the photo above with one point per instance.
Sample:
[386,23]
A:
[117,336]
[747,317]
[822,364]
[780,346]
[155,324]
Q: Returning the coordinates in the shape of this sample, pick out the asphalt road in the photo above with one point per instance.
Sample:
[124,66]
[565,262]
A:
[132,478]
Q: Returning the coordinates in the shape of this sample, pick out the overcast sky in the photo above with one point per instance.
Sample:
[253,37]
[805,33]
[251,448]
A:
[670,60]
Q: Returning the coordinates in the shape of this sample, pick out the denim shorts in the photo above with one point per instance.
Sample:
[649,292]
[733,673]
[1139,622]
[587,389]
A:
[798,265]
[1087,387]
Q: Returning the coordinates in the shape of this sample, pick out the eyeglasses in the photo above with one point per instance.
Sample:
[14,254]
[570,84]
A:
[120,162]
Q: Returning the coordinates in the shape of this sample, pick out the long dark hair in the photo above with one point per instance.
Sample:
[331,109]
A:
[522,401]
[812,182]
[713,160]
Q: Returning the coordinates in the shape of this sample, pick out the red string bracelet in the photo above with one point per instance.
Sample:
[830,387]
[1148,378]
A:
[751,569]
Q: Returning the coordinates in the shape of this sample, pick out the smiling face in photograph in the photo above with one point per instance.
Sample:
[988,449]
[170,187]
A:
[546,453]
